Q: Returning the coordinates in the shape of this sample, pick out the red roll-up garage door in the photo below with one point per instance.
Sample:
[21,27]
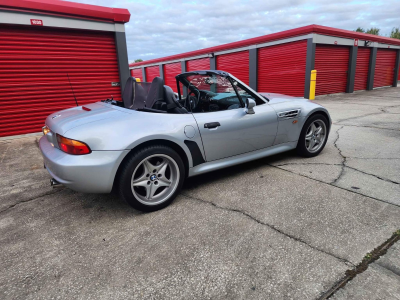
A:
[198,64]
[236,63]
[361,77]
[384,67]
[137,73]
[282,68]
[152,72]
[170,71]
[34,67]
[331,63]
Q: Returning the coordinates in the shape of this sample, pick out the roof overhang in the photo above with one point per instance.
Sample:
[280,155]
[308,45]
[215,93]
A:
[71,9]
[267,40]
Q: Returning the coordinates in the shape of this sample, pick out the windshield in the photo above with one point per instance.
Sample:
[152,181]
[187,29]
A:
[206,91]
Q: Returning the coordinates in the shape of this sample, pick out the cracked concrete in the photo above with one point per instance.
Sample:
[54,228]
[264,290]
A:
[368,154]
[21,172]
[282,227]
[391,260]
[320,214]
[104,249]
[375,283]
[272,227]
[343,162]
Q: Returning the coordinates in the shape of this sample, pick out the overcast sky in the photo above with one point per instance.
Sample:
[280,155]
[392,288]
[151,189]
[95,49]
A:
[164,27]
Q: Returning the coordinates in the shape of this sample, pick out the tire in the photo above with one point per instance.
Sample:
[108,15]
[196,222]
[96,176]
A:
[310,142]
[151,178]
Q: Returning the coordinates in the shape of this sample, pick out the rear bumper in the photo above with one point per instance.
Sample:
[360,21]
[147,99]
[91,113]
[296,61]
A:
[91,173]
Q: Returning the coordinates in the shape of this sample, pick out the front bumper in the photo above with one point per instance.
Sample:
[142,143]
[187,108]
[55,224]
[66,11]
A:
[91,173]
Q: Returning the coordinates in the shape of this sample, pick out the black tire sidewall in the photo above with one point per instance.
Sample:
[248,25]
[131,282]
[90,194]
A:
[130,165]
[301,146]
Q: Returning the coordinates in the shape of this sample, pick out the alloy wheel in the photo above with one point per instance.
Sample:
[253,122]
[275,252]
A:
[315,136]
[155,179]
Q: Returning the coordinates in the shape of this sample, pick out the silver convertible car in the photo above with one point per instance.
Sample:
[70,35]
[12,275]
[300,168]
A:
[146,145]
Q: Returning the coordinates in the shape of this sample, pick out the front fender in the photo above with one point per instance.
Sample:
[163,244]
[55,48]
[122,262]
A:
[317,109]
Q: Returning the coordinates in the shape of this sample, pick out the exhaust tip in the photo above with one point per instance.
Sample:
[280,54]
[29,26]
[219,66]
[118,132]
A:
[54,183]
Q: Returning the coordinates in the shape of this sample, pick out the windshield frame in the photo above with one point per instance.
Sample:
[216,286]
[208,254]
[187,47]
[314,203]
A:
[182,78]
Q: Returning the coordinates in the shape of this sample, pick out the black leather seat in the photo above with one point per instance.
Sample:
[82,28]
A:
[139,97]
[156,92]
[159,97]
[173,106]
[127,96]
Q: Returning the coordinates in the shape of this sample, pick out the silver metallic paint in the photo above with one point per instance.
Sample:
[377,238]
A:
[239,132]
[91,173]
[112,132]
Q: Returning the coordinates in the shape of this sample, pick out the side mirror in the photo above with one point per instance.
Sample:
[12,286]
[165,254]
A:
[250,103]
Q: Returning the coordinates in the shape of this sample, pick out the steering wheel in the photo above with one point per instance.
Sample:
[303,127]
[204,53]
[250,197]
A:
[205,103]
[191,101]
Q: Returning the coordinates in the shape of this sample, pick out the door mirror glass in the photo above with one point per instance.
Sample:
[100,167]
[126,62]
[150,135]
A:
[250,103]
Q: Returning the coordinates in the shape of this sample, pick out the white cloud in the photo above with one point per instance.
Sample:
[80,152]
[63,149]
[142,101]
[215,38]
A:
[160,28]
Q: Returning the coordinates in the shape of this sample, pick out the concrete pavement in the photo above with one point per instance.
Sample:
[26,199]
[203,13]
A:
[380,281]
[282,227]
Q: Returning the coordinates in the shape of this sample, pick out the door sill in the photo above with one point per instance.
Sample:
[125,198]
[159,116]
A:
[242,158]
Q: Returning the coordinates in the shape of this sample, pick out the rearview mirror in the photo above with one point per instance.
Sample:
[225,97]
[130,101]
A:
[250,103]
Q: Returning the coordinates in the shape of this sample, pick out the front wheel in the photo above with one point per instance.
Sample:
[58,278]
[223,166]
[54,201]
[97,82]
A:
[151,178]
[313,137]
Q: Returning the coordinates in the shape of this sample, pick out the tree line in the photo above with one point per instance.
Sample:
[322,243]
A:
[375,31]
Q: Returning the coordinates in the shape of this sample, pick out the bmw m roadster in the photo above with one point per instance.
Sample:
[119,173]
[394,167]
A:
[146,145]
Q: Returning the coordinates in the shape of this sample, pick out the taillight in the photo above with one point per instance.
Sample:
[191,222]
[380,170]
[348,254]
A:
[72,147]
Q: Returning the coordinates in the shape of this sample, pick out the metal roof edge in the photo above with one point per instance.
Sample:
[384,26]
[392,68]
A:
[324,30]
[117,15]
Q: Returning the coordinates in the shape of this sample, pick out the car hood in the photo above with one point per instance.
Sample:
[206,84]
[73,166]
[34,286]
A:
[64,120]
[279,98]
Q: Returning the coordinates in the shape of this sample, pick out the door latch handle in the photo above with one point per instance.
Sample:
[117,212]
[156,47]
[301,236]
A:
[211,125]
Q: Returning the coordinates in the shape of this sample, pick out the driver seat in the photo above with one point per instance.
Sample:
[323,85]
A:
[173,106]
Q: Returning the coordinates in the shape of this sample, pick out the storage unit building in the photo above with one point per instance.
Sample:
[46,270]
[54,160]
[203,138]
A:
[362,64]
[282,62]
[385,63]
[282,68]
[236,63]
[331,63]
[53,52]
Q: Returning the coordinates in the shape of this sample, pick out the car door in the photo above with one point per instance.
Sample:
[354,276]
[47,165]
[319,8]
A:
[233,132]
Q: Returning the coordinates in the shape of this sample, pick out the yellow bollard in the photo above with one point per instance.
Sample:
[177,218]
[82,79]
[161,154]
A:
[137,79]
[313,83]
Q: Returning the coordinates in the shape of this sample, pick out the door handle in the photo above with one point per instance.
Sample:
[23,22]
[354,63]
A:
[211,125]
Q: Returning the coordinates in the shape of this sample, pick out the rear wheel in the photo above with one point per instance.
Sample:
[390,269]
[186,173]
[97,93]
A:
[151,178]
[313,137]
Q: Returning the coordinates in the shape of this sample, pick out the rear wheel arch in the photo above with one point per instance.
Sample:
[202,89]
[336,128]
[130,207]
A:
[178,149]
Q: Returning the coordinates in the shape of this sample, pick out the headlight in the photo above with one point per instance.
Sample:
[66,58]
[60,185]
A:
[71,146]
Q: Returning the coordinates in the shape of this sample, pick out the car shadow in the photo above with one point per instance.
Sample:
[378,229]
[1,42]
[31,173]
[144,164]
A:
[113,204]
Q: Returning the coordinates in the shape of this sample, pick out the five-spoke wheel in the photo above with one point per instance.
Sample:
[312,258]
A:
[313,136]
[155,179]
[151,177]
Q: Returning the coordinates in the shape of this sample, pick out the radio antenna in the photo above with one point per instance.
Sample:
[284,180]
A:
[72,90]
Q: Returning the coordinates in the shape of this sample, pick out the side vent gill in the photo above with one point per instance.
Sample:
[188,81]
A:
[289,114]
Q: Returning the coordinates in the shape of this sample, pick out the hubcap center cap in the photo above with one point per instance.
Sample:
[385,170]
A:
[153,177]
